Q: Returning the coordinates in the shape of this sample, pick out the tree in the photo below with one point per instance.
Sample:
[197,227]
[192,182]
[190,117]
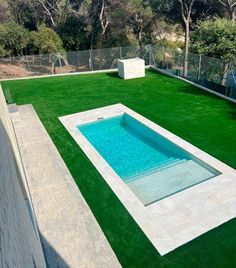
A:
[46,40]
[14,38]
[230,6]
[216,38]
[101,15]
[104,20]
[201,9]
[54,10]
[24,13]
[3,52]
[5,14]
[74,33]
[186,10]
[140,18]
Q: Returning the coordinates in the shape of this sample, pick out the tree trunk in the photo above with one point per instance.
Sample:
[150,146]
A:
[186,49]
[65,60]
[186,8]
[224,78]
[231,8]
[140,43]
[140,37]
[164,58]
[100,50]
[92,38]
[232,15]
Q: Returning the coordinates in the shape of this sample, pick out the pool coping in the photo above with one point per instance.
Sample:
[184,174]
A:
[178,218]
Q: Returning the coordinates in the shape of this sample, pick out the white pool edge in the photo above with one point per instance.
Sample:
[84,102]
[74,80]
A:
[154,218]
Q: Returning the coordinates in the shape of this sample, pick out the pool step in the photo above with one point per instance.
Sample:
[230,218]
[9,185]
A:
[158,185]
[164,165]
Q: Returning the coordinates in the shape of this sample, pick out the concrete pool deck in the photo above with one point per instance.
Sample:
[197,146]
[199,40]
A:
[179,218]
[70,235]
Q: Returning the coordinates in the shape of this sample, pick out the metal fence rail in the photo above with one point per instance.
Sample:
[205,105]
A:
[215,74]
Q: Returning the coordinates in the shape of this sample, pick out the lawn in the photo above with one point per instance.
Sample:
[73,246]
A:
[203,119]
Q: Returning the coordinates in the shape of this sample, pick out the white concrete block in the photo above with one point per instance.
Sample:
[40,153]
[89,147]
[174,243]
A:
[131,68]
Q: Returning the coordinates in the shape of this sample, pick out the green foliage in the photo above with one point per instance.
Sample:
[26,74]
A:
[14,39]
[140,7]
[140,18]
[3,52]
[23,12]
[118,38]
[76,25]
[171,44]
[74,34]
[45,40]
[5,13]
[215,38]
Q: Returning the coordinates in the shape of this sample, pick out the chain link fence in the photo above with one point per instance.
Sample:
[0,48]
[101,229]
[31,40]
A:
[215,74]
[70,62]
[212,73]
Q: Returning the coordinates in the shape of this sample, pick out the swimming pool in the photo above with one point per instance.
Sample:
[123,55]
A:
[143,163]
[152,166]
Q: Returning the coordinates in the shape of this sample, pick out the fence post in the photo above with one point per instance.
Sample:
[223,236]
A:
[120,53]
[59,59]
[149,54]
[199,68]
[91,59]
[234,80]
[164,58]
[228,91]
[77,60]
[27,60]
[178,63]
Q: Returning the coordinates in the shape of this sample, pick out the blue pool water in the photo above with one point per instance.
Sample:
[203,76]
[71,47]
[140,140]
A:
[152,166]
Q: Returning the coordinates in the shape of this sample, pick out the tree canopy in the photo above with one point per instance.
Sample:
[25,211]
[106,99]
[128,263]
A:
[14,38]
[46,41]
[49,26]
[215,38]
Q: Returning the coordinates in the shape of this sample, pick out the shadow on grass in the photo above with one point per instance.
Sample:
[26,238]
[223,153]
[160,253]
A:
[188,89]
[200,92]
[114,75]
[232,111]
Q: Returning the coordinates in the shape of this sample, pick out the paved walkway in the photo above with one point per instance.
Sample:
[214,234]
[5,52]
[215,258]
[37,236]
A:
[70,235]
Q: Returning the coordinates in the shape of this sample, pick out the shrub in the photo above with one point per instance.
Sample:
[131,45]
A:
[46,41]
[14,39]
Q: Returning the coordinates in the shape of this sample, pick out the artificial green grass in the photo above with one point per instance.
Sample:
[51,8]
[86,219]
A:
[203,119]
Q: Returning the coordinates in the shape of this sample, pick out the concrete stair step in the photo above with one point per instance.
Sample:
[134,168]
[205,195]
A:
[168,181]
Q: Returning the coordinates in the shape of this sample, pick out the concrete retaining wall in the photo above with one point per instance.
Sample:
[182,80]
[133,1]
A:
[19,240]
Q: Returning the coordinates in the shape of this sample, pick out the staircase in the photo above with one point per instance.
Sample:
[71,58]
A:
[168,180]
